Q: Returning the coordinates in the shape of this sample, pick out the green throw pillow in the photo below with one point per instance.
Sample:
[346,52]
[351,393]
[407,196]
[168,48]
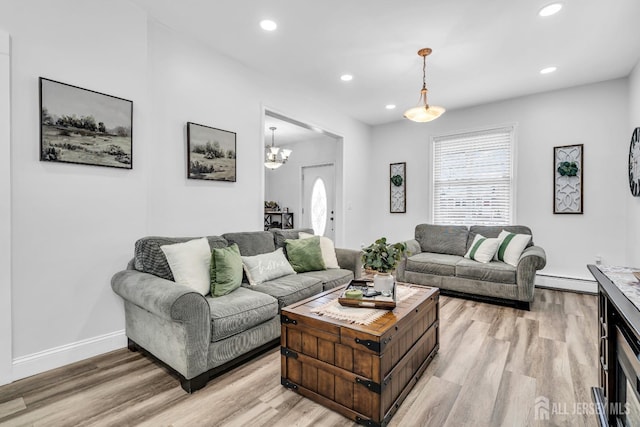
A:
[226,270]
[305,254]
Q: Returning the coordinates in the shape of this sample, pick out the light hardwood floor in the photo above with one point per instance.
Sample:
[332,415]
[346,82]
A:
[493,363]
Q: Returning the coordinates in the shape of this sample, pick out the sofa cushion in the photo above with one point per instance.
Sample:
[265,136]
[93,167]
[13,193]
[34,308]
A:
[280,236]
[252,243]
[149,258]
[328,250]
[442,239]
[491,272]
[226,270]
[190,263]
[290,289]
[493,231]
[331,278]
[482,249]
[264,267]
[305,254]
[511,247]
[238,311]
[431,263]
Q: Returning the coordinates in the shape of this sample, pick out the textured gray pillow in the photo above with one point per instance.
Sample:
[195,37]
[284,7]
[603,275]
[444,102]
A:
[149,258]
[264,267]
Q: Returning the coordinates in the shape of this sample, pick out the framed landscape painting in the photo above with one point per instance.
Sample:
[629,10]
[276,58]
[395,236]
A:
[85,127]
[211,153]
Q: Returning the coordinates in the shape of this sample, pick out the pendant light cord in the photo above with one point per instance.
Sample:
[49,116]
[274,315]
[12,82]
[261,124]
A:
[424,72]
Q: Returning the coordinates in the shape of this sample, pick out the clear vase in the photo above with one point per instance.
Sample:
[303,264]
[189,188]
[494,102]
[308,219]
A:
[383,283]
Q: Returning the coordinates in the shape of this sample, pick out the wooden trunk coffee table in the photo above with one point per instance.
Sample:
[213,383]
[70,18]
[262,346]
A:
[361,371]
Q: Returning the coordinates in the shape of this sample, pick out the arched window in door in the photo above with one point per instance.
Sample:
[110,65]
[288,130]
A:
[319,207]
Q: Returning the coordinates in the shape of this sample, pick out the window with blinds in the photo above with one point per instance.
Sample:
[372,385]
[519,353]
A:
[473,178]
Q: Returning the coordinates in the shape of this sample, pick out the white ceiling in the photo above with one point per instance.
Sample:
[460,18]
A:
[483,50]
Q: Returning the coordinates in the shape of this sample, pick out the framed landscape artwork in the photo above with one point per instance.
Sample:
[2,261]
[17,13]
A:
[398,187]
[211,153]
[567,179]
[84,127]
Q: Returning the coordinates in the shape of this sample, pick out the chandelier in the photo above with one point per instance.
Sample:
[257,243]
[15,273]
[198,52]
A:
[276,156]
[424,112]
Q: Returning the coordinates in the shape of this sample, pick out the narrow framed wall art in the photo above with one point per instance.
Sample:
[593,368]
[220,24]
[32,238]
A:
[568,179]
[398,187]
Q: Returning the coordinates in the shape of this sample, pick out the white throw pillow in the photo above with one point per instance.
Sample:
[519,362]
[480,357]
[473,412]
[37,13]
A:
[326,247]
[190,262]
[264,267]
[482,249]
[511,247]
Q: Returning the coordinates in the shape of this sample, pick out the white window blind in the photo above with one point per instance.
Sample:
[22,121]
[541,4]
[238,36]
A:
[473,178]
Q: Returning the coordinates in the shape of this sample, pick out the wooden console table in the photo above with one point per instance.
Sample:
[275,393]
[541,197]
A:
[283,220]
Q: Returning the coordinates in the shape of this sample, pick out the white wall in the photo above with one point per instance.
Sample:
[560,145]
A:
[74,226]
[633,203]
[189,82]
[284,184]
[593,115]
[5,209]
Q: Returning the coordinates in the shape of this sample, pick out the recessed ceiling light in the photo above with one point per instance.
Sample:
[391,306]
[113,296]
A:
[390,106]
[548,70]
[550,9]
[346,77]
[268,25]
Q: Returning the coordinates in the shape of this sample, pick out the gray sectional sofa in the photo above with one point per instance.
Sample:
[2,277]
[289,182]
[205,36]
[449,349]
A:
[436,258]
[199,336]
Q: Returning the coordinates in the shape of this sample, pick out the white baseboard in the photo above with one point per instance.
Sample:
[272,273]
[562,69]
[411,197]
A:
[567,283]
[36,363]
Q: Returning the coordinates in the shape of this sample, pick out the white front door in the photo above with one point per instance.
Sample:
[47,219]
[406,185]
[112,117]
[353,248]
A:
[318,199]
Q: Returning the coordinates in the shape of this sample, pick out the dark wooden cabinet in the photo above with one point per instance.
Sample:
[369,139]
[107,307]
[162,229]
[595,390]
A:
[283,220]
[618,392]
[603,343]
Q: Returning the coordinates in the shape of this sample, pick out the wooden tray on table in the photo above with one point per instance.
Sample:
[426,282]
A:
[373,301]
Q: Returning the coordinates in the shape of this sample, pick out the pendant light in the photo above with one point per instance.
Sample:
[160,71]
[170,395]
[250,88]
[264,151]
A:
[276,156]
[424,112]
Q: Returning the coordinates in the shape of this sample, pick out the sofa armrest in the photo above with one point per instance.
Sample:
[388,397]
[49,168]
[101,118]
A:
[161,297]
[169,320]
[413,247]
[532,259]
[350,259]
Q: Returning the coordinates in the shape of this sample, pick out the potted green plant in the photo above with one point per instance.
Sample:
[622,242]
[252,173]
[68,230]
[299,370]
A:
[383,258]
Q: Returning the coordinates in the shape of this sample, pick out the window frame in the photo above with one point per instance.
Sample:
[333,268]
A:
[512,128]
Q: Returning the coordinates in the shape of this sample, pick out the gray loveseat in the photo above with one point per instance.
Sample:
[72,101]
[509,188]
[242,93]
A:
[436,258]
[199,336]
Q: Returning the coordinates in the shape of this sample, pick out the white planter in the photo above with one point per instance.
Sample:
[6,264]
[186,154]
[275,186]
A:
[383,283]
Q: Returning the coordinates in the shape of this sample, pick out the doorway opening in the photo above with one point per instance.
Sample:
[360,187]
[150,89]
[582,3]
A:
[307,189]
